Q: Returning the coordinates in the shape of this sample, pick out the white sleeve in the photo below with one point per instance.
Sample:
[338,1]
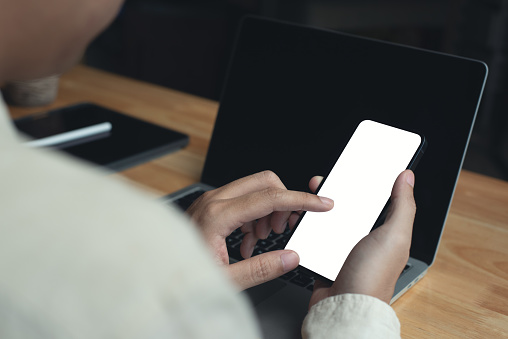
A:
[83,255]
[351,316]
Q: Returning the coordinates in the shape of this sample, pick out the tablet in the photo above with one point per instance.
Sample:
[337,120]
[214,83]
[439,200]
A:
[100,135]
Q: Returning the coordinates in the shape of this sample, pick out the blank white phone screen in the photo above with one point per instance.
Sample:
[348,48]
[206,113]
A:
[360,184]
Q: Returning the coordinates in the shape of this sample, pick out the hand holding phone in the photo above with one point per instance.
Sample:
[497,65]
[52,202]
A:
[360,184]
[374,265]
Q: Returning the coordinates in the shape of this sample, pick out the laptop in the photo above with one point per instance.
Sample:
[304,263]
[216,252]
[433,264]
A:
[293,97]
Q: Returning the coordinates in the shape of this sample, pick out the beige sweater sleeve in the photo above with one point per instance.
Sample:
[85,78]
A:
[351,316]
[83,255]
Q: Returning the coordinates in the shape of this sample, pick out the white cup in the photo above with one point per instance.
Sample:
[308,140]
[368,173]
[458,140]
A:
[37,92]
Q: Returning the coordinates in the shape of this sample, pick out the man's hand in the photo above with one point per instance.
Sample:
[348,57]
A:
[375,263]
[258,204]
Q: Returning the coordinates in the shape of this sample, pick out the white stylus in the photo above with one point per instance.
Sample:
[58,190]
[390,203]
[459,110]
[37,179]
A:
[73,135]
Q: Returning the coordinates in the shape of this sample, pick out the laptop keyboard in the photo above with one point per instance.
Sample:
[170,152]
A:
[273,242]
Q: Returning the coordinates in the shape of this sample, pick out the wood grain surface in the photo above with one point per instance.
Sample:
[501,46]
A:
[464,294]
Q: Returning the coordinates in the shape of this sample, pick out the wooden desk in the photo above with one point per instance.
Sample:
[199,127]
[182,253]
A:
[465,293]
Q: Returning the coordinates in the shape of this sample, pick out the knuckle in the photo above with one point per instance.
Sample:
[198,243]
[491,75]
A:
[305,200]
[260,270]
[270,177]
[407,203]
[411,205]
[211,208]
[410,201]
[274,194]
[199,202]
[208,195]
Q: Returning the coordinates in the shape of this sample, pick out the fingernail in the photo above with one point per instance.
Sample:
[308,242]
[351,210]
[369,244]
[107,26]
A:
[410,179]
[289,260]
[326,201]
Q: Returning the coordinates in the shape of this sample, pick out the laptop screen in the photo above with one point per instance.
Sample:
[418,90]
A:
[294,96]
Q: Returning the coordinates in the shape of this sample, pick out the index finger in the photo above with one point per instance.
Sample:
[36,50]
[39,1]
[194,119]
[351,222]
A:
[252,206]
[249,184]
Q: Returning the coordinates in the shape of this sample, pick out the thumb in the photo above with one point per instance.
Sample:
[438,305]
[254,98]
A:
[263,267]
[403,208]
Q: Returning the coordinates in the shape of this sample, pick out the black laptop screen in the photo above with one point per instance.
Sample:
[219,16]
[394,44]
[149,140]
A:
[294,96]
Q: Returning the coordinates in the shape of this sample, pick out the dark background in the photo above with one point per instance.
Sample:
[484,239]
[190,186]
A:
[185,45]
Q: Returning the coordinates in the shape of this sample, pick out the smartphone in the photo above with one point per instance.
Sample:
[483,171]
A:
[360,184]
